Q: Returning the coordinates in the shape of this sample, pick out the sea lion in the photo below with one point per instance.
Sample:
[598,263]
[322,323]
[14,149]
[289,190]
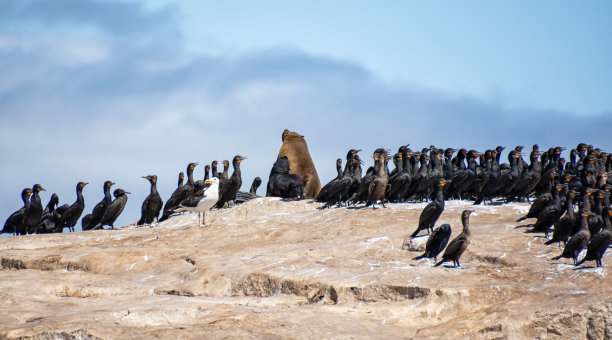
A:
[296,150]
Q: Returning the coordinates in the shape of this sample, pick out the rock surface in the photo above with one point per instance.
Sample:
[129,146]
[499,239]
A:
[285,270]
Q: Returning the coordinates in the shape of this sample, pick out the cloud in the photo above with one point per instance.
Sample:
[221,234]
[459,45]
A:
[101,108]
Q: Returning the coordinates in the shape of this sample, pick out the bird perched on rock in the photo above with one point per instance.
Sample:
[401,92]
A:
[15,223]
[232,185]
[90,220]
[460,243]
[209,199]
[71,214]
[432,211]
[436,242]
[152,204]
[113,210]
[577,242]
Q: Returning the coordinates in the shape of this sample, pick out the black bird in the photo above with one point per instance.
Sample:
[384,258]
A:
[432,211]
[338,168]
[49,216]
[577,242]
[16,222]
[213,170]
[460,243]
[232,185]
[90,220]
[436,242]
[599,243]
[564,227]
[113,210]
[182,192]
[242,196]
[326,192]
[71,215]
[152,204]
[338,189]
[400,183]
[223,177]
[283,184]
[378,185]
[539,204]
[34,213]
[550,214]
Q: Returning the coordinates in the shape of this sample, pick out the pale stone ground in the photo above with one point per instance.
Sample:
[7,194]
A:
[285,270]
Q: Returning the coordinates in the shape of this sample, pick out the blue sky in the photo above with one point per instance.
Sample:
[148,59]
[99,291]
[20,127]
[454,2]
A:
[96,90]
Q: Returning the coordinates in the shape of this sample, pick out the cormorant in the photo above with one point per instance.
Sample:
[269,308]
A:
[209,199]
[432,211]
[242,196]
[336,190]
[378,186]
[550,214]
[213,171]
[34,213]
[283,184]
[564,227]
[599,243]
[199,185]
[152,204]
[436,242]
[50,216]
[113,210]
[338,169]
[577,242]
[16,222]
[460,243]
[90,220]
[539,204]
[70,217]
[233,183]
[183,191]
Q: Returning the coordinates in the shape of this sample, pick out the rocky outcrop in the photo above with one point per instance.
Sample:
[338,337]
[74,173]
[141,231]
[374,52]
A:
[273,269]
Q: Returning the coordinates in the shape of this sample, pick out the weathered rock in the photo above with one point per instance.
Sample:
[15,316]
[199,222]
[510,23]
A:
[277,270]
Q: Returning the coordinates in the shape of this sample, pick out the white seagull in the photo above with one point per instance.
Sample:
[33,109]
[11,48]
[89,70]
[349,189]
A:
[208,200]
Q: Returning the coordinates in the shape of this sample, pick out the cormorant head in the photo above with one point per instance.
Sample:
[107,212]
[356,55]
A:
[54,199]
[214,164]
[238,158]
[37,188]
[181,175]
[81,185]
[25,193]
[120,192]
[191,166]
[257,182]
[466,213]
[108,184]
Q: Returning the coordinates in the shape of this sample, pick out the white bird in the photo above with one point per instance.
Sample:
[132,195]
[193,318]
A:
[208,200]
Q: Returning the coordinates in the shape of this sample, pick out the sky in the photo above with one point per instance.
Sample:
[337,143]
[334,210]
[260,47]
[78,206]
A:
[118,89]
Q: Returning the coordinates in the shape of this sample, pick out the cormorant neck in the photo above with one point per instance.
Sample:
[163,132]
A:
[465,220]
[107,194]
[154,187]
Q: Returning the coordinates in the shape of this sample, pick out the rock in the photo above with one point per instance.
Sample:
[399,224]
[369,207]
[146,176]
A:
[274,269]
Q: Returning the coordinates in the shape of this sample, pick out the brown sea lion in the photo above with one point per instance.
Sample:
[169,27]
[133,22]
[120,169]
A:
[296,150]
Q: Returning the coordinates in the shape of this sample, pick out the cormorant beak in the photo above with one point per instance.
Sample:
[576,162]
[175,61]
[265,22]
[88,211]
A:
[145,177]
[128,192]
[41,189]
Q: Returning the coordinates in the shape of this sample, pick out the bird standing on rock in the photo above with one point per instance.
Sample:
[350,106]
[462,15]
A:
[208,200]
[15,223]
[433,210]
[460,243]
[152,204]
[232,185]
[436,242]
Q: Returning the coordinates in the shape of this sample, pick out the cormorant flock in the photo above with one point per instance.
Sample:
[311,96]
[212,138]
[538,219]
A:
[554,186]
